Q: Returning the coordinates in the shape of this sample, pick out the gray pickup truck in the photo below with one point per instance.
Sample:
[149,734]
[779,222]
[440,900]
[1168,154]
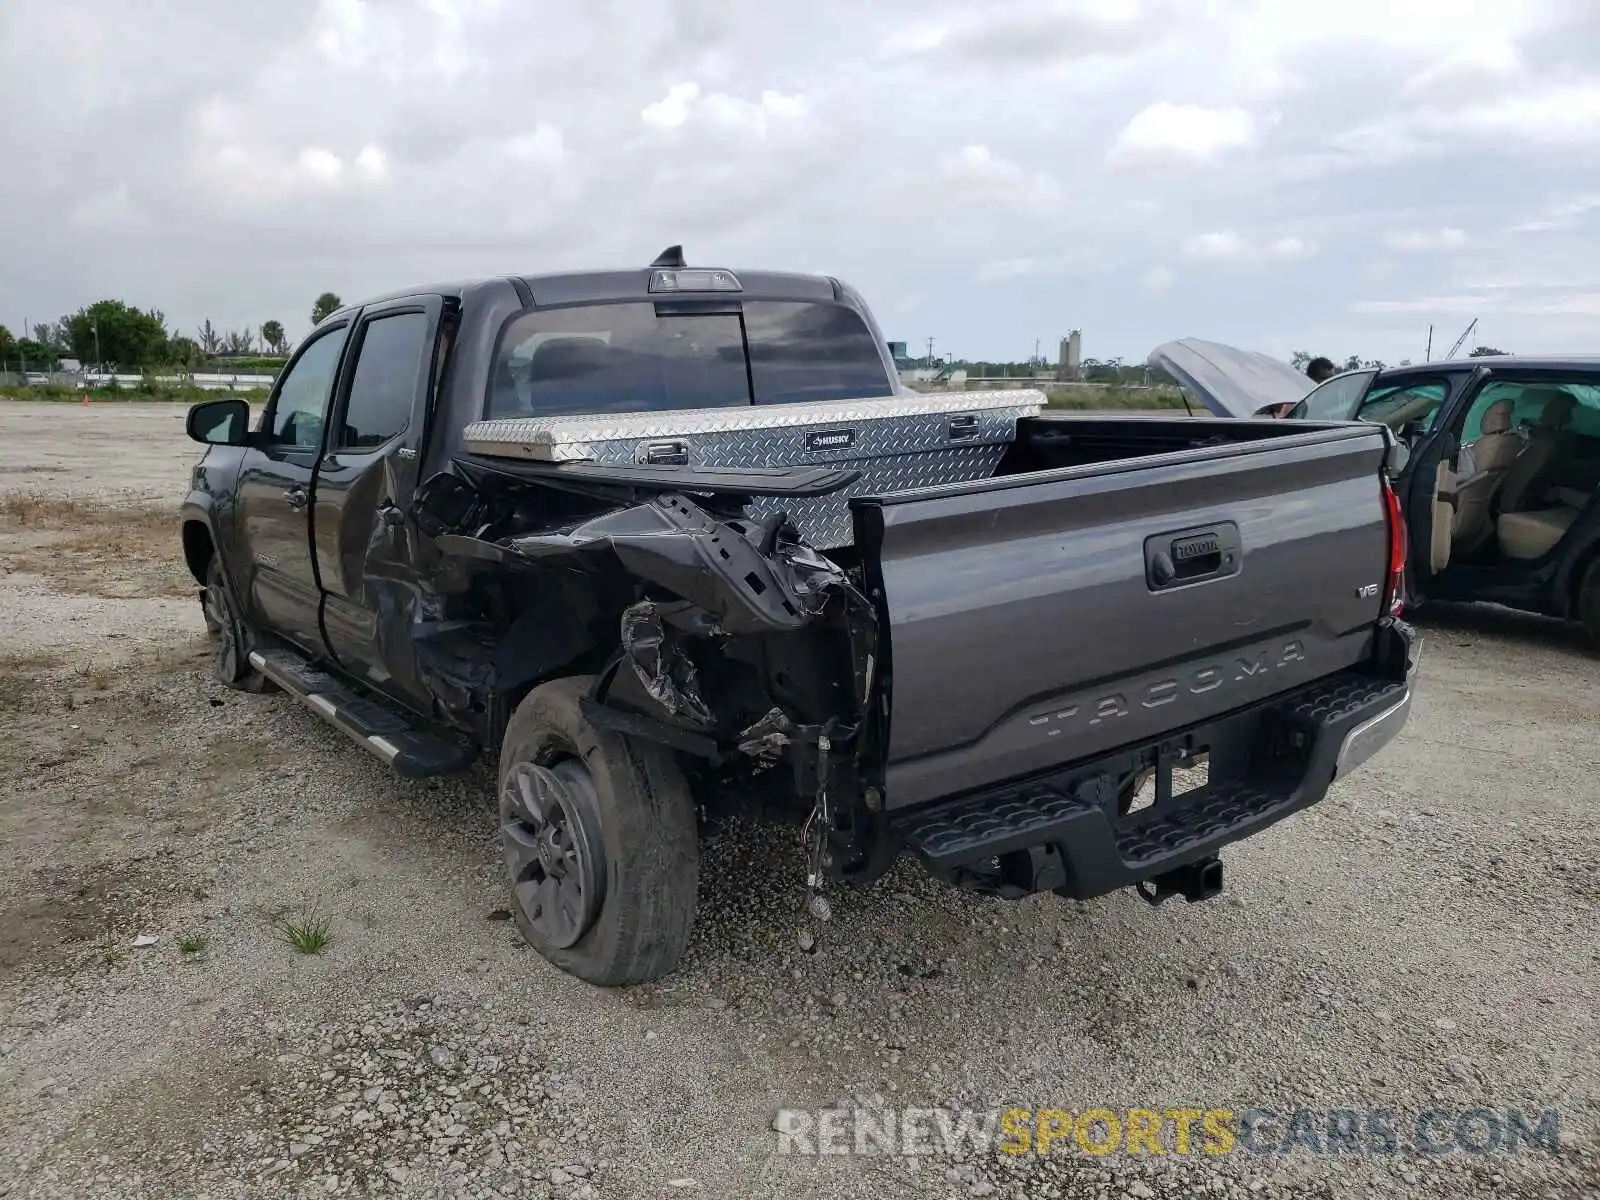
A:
[676,544]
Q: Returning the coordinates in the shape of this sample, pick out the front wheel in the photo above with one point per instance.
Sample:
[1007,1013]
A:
[230,637]
[600,841]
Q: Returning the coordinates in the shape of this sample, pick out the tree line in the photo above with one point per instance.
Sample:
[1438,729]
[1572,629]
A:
[116,335]
[1090,370]
[1301,358]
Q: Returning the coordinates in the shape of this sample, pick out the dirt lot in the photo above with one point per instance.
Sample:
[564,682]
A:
[1424,939]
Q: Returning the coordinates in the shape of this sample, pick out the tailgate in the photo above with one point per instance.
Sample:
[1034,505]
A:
[1039,619]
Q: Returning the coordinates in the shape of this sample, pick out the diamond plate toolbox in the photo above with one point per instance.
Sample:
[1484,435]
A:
[896,442]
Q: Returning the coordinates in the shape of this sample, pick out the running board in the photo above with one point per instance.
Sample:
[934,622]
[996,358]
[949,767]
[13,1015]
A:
[378,727]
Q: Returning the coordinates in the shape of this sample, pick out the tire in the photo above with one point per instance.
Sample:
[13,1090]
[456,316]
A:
[230,636]
[1587,608]
[633,830]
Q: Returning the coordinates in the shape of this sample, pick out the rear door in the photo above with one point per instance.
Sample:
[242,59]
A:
[365,552]
[274,493]
[1429,404]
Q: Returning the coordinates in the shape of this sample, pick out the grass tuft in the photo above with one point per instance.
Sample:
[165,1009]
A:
[192,943]
[307,933]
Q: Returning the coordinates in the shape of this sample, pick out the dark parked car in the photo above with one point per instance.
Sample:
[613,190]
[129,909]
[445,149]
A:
[676,543]
[1502,484]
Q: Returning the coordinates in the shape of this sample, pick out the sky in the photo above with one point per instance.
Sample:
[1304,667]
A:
[1275,174]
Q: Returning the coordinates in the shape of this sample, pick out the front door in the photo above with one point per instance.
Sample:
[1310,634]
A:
[274,494]
[1334,399]
[368,471]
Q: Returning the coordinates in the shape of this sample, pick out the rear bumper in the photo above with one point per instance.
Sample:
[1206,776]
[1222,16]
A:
[1062,830]
[1373,734]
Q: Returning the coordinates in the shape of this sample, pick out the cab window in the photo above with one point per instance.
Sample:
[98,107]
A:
[384,386]
[301,405]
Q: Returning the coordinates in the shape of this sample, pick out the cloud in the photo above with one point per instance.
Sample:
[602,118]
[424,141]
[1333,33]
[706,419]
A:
[371,162]
[1026,35]
[1180,135]
[1539,117]
[542,144]
[1012,168]
[971,178]
[672,109]
[1567,304]
[321,165]
[1158,280]
[1446,237]
[1565,214]
[1040,266]
[1467,76]
[1228,246]
[752,118]
[983,177]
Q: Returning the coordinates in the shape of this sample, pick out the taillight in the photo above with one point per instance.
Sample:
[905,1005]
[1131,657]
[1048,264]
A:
[1394,596]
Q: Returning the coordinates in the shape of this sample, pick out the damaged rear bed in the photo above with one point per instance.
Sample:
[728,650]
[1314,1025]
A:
[924,599]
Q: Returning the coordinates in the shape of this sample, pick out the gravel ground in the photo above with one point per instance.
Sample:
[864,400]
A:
[1425,938]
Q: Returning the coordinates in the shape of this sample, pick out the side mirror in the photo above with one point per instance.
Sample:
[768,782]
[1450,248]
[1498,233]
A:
[223,422]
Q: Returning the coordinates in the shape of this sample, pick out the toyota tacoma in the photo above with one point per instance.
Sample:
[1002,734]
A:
[675,544]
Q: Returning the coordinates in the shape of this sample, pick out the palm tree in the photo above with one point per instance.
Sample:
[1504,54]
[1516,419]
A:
[272,335]
[326,303]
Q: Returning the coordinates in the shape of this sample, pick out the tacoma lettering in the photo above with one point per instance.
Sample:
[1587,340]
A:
[1196,682]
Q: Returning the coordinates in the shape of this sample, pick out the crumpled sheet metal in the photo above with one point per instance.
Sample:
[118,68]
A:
[768,737]
[661,665]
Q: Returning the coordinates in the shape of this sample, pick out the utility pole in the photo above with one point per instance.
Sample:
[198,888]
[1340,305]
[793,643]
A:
[95,325]
[930,352]
[1427,355]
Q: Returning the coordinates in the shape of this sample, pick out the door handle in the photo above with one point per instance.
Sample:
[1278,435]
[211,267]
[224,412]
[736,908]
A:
[297,497]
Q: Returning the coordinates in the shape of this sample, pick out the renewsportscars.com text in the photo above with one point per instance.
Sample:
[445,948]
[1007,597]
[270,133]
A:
[1178,1131]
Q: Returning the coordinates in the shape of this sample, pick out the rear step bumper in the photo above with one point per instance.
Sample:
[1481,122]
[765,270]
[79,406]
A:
[1062,831]
[374,725]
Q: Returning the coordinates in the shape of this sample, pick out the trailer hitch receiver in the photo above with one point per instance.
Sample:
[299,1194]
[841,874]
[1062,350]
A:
[1194,881]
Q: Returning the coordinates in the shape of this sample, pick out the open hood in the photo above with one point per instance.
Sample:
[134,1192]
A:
[1229,381]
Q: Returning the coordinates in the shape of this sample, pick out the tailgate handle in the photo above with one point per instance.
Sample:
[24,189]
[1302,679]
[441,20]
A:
[664,454]
[1192,556]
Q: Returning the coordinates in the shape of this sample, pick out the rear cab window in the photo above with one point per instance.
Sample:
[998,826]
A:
[648,356]
[804,351]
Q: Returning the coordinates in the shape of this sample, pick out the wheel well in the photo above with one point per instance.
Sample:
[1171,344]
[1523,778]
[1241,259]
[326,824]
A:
[197,548]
